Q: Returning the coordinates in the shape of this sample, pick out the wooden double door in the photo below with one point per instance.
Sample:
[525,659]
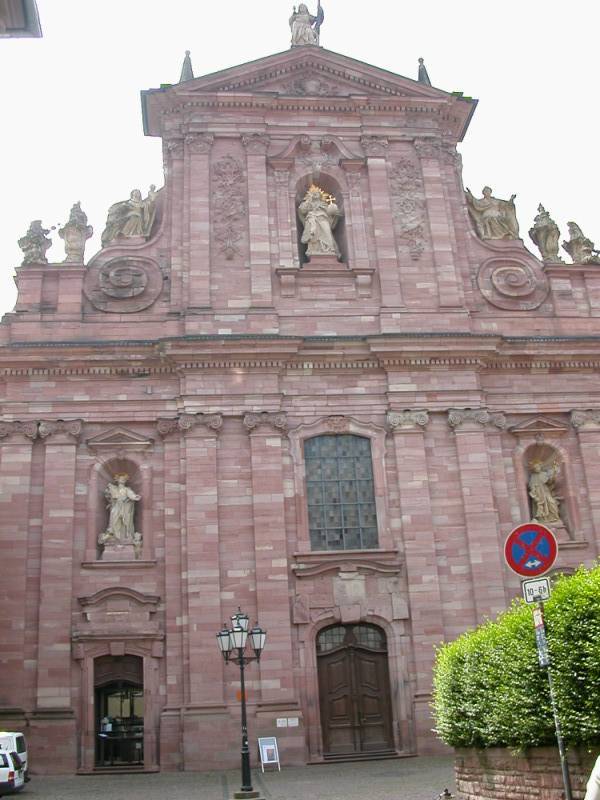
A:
[354,690]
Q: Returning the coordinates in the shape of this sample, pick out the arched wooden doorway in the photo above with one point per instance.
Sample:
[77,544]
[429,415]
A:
[354,690]
[119,711]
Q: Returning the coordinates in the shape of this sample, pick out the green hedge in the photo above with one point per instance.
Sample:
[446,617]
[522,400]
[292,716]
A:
[489,690]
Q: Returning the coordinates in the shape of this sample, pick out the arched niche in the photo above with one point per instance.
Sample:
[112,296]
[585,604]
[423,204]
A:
[548,460]
[328,184]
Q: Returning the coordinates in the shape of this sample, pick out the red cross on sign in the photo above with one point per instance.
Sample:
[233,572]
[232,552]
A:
[530,549]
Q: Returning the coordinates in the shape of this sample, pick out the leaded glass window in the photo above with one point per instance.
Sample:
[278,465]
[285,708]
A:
[340,492]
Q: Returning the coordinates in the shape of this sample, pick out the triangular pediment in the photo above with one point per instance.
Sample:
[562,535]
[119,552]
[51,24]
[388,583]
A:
[120,439]
[539,426]
[312,74]
[311,71]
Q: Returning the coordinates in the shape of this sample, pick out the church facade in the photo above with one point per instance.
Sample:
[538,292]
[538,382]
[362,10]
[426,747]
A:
[310,377]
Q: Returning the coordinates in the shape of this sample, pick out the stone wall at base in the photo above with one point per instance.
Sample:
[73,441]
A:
[498,774]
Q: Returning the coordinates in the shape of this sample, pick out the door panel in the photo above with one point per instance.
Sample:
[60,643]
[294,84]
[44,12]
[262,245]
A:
[354,692]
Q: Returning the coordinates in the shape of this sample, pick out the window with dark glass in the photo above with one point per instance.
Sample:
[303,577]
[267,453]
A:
[341,497]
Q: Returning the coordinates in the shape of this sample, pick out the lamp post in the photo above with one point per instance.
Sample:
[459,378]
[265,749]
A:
[232,644]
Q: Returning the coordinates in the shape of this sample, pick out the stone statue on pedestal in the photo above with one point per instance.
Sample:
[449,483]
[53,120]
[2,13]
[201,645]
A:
[493,218]
[306,28]
[319,215]
[35,243]
[546,235]
[581,249]
[121,501]
[75,234]
[545,503]
[133,217]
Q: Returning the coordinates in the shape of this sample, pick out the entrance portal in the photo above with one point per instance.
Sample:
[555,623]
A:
[119,711]
[354,690]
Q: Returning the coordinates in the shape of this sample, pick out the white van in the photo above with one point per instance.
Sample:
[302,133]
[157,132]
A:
[14,742]
[11,773]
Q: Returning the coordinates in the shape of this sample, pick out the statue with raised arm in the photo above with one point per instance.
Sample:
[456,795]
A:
[493,218]
[546,235]
[133,217]
[306,28]
[545,502]
[121,500]
[581,249]
[319,215]
[35,243]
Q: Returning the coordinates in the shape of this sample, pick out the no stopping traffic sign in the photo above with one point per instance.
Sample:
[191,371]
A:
[530,549]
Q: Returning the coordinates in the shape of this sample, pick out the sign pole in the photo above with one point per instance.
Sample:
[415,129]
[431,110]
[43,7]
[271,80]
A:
[544,658]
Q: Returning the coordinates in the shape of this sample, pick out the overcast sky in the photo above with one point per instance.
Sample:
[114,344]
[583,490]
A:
[71,126]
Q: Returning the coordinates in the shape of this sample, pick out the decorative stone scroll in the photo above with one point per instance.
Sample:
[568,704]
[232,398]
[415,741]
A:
[71,428]
[256,143]
[375,146]
[512,285]
[229,205]
[586,420]
[458,417]
[276,420]
[123,285]
[186,422]
[408,204]
[27,429]
[407,420]
[173,148]
[338,424]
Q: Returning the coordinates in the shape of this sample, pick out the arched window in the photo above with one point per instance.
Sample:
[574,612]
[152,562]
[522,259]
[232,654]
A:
[340,492]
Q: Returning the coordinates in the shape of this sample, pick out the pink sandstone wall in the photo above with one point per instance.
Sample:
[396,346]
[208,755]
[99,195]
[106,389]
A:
[168,385]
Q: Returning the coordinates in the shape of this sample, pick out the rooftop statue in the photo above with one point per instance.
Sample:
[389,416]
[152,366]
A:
[133,217]
[319,215]
[581,249]
[35,243]
[306,29]
[545,235]
[75,234]
[493,218]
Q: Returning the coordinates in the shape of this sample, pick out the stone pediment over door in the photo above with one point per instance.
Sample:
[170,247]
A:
[312,74]
[119,439]
[116,611]
[538,427]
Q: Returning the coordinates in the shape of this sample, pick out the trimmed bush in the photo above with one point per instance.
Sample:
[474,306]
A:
[489,690]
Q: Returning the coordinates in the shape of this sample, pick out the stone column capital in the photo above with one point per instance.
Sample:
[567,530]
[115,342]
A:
[475,419]
[375,146]
[60,431]
[276,420]
[185,422]
[173,147]
[199,142]
[407,421]
[586,420]
[8,430]
[256,143]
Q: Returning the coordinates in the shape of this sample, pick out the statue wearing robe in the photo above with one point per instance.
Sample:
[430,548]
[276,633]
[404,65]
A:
[493,218]
[319,215]
[121,506]
[133,217]
[541,490]
[301,23]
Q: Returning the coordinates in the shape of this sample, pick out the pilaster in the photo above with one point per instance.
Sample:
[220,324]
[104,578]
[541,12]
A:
[256,145]
[485,548]
[16,446]
[198,147]
[587,425]
[56,573]
[356,222]
[288,255]
[385,243]
[450,295]
[272,570]
[174,174]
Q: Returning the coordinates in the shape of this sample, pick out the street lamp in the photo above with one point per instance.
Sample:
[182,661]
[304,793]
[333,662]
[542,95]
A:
[232,644]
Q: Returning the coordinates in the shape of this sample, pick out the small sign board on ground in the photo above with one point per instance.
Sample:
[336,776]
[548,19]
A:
[269,752]
[537,590]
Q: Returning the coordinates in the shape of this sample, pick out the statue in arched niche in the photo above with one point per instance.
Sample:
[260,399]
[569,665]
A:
[545,502]
[121,500]
[319,214]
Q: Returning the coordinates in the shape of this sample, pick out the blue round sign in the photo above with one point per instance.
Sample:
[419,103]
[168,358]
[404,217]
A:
[530,549]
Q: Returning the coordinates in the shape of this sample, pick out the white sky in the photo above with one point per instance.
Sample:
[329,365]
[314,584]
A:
[71,125]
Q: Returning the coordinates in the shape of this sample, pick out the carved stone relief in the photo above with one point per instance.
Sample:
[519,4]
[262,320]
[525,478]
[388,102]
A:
[123,285]
[512,285]
[310,84]
[457,417]
[200,143]
[407,420]
[276,420]
[186,422]
[408,204]
[229,205]
[585,420]
[375,146]
[27,429]
[68,427]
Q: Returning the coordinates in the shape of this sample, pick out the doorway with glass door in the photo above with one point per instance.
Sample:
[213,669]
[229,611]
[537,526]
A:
[119,712]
